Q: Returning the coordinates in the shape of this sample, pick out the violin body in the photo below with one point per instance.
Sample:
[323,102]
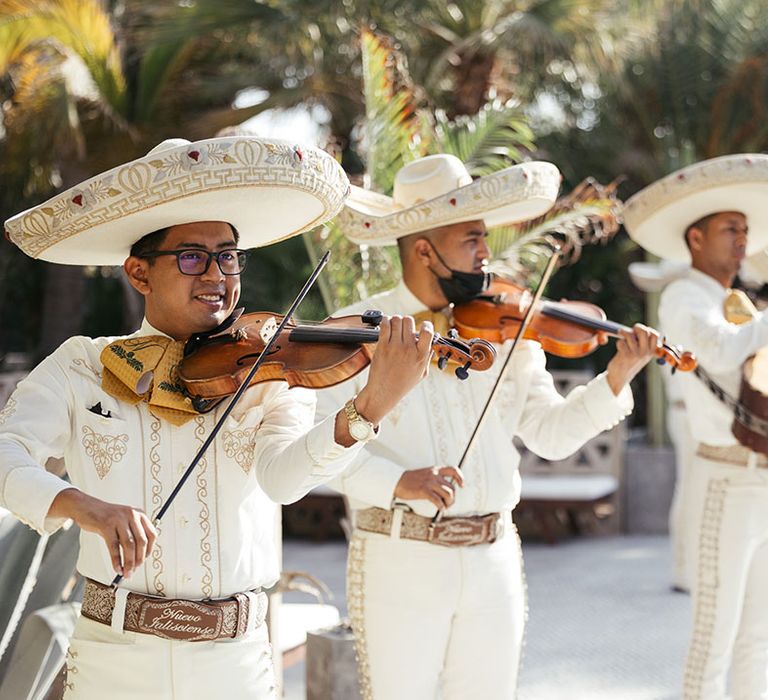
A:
[311,356]
[564,328]
[555,337]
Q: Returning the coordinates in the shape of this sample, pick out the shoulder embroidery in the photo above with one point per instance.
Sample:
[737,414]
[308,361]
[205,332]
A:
[84,369]
[240,445]
[104,450]
[8,411]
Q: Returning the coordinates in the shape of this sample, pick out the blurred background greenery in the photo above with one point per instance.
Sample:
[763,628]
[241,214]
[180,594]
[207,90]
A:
[603,88]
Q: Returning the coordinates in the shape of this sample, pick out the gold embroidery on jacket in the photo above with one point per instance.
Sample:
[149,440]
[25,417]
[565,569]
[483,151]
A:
[157,500]
[8,411]
[104,450]
[240,445]
[204,516]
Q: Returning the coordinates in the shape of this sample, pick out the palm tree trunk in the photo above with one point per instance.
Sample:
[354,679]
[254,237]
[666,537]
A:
[63,296]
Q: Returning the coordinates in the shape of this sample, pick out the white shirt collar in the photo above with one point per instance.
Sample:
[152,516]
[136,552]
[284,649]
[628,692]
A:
[710,283]
[147,328]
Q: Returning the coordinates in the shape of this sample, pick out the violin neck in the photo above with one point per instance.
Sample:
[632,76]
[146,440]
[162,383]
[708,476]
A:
[329,334]
[555,310]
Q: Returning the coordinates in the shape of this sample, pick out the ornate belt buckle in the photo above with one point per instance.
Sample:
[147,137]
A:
[459,532]
[181,619]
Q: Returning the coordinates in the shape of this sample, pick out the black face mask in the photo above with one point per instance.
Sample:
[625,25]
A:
[461,287]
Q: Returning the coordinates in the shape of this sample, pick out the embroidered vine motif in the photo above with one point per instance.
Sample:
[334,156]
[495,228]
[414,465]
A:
[8,411]
[204,515]
[240,445]
[157,500]
[104,450]
[129,358]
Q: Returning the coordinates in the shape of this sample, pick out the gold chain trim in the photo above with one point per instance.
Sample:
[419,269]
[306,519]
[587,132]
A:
[706,595]
[356,607]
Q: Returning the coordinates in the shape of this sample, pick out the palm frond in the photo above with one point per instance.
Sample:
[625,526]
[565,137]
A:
[494,138]
[589,214]
[393,125]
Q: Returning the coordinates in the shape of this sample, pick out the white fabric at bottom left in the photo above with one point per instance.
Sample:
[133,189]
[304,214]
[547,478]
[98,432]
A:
[104,664]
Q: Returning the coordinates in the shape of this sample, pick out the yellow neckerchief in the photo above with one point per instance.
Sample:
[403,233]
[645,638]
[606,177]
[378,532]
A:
[143,368]
[440,320]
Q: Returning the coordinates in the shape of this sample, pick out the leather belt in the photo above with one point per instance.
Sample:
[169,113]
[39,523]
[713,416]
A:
[449,532]
[188,620]
[737,455]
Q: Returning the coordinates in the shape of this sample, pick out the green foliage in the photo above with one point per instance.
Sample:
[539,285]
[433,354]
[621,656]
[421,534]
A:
[496,137]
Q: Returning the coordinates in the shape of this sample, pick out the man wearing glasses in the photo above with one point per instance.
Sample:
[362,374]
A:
[187,619]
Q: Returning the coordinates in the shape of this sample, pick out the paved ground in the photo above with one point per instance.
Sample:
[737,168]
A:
[603,623]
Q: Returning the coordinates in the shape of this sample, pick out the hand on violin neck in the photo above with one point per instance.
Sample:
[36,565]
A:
[634,349]
[400,362]
[434,484]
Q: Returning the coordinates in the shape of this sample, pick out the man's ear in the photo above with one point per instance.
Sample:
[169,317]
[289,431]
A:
[136,270]
[695,238]
[422,251]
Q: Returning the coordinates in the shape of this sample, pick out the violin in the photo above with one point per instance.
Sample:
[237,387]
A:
[564,328]
[314,356]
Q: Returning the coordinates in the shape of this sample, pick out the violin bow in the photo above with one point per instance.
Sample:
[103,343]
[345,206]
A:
[236,396]
[548,270]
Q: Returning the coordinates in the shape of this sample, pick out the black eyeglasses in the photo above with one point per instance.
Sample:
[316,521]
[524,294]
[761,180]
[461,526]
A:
[196,261]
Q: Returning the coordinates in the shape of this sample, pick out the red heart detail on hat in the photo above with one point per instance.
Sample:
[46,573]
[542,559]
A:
[452,200]
[194,155]
[681,177]
[78,199]
[367,224]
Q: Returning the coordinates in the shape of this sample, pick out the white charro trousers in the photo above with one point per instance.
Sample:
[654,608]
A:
[107,665]
[730,586]
[436,622]
[684,507]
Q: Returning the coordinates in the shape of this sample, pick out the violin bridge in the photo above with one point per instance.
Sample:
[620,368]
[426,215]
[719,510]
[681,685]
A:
[268,329]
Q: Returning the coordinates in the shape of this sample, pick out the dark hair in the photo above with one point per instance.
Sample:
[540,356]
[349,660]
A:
[701,224]
[153,241]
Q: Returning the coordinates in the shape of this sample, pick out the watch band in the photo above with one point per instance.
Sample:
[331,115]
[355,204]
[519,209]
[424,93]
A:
[355,419]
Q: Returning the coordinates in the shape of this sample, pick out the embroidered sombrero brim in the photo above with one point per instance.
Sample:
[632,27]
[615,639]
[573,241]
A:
[658,216]
[507,196]
[268,189]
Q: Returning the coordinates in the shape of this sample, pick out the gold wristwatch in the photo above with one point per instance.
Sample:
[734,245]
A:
[360,429]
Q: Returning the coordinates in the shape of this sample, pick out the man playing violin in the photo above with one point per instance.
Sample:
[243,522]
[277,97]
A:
[187,619]
[712,214]
[439,611]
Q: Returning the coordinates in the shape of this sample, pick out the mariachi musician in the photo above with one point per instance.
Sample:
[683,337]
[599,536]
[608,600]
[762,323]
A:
[713,214]
[438,610]
[186,620]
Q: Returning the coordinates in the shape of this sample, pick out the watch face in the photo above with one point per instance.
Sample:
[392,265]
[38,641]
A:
[359,430]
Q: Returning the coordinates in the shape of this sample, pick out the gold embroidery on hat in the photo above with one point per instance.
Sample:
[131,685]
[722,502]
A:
[171,177]
[104,450]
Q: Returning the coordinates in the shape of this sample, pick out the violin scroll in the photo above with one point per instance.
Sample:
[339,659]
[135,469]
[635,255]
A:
[676,358]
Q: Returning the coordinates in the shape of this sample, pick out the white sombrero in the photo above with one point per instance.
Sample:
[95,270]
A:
[654,276]
[267,189]
[658,216]
[438,190]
